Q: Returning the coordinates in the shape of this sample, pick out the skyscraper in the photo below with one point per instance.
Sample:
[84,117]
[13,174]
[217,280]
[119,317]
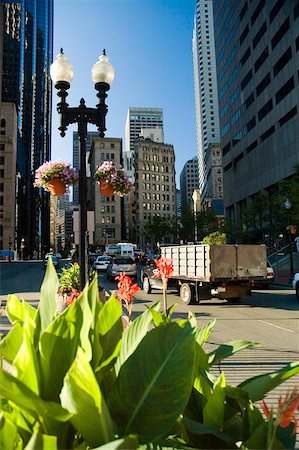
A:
[188,182]
[27,37]
[257,45]
[206,102]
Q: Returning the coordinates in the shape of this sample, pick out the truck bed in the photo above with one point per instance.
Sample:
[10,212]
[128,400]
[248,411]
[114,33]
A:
[218,262]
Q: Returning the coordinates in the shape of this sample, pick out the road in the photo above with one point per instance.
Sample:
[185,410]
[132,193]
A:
[270,317]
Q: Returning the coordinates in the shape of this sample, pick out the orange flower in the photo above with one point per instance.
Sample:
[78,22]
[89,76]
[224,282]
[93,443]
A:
[165,267]
[286,410]
[126,289]
[72,297]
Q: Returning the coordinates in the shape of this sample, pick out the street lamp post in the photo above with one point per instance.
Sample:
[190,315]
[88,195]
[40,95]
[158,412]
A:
[288,206]
[102,75]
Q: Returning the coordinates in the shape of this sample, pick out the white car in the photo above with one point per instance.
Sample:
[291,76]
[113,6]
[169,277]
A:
[296,284]
[101,263]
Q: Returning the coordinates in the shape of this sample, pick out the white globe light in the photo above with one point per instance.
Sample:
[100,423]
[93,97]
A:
[61,69]
[102,70]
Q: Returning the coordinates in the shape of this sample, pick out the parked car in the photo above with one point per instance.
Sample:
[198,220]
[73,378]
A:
[120,264]
[270,277]
[101,263]
[55,260]
[295,283]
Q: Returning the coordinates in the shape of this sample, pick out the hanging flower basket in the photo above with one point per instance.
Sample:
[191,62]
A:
[116,176]
[53,173]
[57,187]
[106,188]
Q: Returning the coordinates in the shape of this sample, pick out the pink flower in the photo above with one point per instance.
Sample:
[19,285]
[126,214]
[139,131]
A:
[165,267]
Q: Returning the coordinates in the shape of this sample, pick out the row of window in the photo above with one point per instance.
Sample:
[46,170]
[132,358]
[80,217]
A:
[156,168]
[282,121]
[154,196]
[107,219]
[158,207]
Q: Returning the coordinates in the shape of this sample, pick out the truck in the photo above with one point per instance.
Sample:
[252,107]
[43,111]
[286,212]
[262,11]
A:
[120,249]
[203,271]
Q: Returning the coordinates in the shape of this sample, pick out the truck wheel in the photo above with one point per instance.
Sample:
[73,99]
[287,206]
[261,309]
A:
[233,300]
[297,290]
[187,293]
[146,285]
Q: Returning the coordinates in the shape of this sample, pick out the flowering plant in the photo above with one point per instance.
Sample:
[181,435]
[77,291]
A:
[115,175]
[126,290]
[55,169]
[165,270]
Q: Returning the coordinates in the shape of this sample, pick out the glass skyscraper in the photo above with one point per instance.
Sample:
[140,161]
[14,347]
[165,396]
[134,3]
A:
[27,28]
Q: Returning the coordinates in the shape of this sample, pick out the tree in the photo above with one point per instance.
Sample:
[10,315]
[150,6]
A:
[217,238]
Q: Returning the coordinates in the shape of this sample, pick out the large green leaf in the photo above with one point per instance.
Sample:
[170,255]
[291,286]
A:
[58,347]
[154,384]
[228,349]
[11,344]
[48,293]
[257,387]
[85,343]
[17,310]
[203,333]
[209,435]
[95,306]
[133,335]
[8,433]
[82,397]
[128,443]
[213,412]
[41,441]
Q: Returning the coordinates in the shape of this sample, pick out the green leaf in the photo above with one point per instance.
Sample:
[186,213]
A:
[8,434]
[213,412]
[58,347]
[82,397]
[257,387]
[161,366]
[17,310]
[204,332]
[228,349]
[48,293]
[11,344]
[41,441]
[95,306]
[128,443]
[133,335]
[216,436]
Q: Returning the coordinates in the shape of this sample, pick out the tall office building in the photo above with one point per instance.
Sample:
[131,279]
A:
[26,54]
[206,103]
[257,45]
[188,182]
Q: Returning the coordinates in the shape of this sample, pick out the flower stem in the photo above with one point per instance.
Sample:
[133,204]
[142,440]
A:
[165,298]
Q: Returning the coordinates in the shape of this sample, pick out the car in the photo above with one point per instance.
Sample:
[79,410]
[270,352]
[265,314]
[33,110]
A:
[101,263]
[55,260]
[120,264]
[270,277]
[295,284]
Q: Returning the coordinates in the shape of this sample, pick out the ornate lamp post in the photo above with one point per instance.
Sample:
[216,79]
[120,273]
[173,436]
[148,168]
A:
[102,75]
[288,206]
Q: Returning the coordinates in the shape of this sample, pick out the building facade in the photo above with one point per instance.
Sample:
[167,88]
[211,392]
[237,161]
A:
[109,211]
[155,191]
[188,182]
[26,55]
[206,103]
[257,51]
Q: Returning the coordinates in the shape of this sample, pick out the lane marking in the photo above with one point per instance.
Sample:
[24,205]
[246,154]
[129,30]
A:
[285,329]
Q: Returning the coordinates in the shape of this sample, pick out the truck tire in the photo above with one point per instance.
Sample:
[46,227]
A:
[233,300]
[187,293]
[297,290]
[146,285]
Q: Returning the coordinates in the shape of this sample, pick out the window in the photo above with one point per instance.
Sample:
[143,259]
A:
[263,84]
[251,147]
[276,8]
[296,11]
[265,109]
[251,124]
[284,90]
[261,59]
[243,11]
[248,101]
[1,160]
[268,133]
[2,147]
[3,123]
[244,34]
[280,33]
[237,138]
[246,79]
[257,11]
[259,34]
[284,119]
[245,56]
[282,61]
[226,149]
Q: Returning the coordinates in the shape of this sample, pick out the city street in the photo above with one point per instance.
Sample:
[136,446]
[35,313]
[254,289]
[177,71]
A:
[269,317]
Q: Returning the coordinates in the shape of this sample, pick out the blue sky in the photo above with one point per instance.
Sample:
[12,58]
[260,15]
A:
[149,43]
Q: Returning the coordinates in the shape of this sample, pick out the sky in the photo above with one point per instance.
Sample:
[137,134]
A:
[149,43]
